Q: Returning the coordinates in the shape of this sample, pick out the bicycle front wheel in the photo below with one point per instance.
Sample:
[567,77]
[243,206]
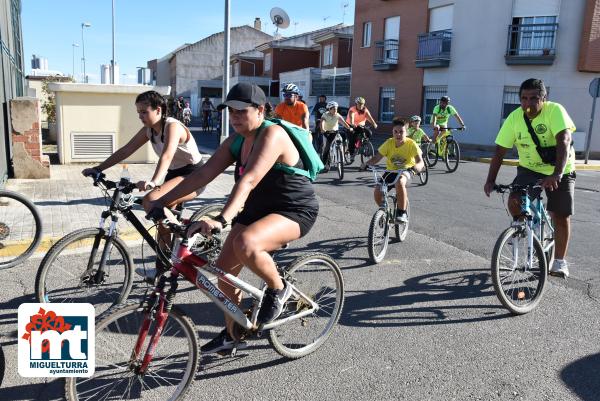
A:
[424,174]
[317,276]
[20,229]
[366,151]
[518,284]
[379,235]
[340,162]
[70,271]
[452,156]
[169,375]
[432,154]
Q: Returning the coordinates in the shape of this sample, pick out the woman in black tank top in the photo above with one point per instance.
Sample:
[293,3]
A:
[277,207]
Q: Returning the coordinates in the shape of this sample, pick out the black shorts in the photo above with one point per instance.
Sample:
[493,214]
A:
[389,178]
[562,200]
[181,171]
[304,216]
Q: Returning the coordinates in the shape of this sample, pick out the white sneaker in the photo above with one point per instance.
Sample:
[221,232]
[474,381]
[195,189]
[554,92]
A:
[560,267]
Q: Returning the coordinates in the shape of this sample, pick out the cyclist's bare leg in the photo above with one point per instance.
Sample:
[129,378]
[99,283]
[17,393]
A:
[562,233]
[401,194]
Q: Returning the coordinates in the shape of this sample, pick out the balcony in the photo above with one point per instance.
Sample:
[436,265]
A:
[434,49]
[386,55]
[531,44]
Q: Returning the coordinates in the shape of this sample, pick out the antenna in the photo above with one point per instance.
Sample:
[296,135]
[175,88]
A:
[344,7]
[295,26]
[280,19]
[325,20]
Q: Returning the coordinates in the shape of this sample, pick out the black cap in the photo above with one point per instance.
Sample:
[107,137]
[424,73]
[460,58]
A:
[243,95]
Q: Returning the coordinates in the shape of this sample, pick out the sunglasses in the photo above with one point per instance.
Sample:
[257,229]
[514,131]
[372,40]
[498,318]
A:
[288,95]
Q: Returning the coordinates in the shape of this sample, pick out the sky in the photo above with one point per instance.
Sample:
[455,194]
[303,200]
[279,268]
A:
[149,29]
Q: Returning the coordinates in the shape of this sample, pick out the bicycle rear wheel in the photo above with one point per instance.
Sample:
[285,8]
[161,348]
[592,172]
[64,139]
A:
[518,286]
[366,151]
[452,156]
[424,174]
[379,235]
[432,154]
[319,277]
[20,229]
[170,373]
[67,274]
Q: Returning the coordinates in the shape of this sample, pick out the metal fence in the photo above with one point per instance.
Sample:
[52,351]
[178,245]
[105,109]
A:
[434,44]
[329,83]
[531,40]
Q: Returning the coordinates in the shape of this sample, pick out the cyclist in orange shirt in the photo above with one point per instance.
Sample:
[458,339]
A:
[291,109]
[357,118]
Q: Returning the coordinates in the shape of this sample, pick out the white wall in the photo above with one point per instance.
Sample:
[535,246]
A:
[478,72]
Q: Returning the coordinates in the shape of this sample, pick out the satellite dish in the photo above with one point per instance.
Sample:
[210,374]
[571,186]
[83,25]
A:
[280,18]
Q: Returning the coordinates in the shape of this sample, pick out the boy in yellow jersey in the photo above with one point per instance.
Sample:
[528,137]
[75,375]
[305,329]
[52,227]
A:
[401,153]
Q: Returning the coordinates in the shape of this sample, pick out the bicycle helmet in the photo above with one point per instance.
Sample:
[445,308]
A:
[331,104]
[291,88]
[445,99]
[415,118]
[360,100]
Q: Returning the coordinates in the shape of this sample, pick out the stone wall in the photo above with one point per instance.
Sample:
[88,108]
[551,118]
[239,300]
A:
[28,160]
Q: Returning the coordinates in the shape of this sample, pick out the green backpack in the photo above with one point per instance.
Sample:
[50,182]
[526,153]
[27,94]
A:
[309,156]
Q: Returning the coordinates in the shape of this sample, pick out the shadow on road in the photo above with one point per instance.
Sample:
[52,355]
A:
[582,378]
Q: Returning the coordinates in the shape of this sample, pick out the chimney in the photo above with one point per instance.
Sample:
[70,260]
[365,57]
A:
[257,24]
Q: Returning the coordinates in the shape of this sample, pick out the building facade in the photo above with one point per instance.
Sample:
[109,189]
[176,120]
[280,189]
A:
[12,83]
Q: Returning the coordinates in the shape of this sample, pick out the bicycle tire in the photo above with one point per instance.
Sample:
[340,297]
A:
[402,228]
[452,156]
[366,151]
[207,246]
[105,344]
[10,254]
[329,295]
[340,162]
[513,296]
[432,154]
[379,222]
[424,175]
[44,281]
[2,365]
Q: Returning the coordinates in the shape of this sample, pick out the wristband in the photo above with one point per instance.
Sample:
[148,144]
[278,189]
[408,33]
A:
[221,220]
[150,185]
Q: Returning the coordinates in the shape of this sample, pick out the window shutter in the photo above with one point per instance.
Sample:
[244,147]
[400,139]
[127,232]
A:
[537,8]
[440,18]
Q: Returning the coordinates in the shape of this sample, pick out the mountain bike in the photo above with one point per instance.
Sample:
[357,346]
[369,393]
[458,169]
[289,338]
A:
[523,252]
[445,147]
[336,153]
[385,217]
[95,265]
[20,228]
[152,347]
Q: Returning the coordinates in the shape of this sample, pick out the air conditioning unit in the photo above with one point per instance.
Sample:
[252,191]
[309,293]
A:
[92,146]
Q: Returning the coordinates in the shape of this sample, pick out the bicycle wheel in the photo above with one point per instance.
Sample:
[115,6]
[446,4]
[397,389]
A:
[432,154]
[2,365]
[169,375]
[379,235]
[319,277]
[366,151]
[20,228]
[209,247]
[348,160]
[452,156]
[518,287]
[67,274]
[402,228]
[424,174]
[340,162]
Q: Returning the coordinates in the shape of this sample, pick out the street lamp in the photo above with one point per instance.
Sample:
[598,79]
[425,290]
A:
[84,25]
[74,46]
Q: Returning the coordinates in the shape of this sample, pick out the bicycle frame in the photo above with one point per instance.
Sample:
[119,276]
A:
[190,266]
[333,155]
[383,186]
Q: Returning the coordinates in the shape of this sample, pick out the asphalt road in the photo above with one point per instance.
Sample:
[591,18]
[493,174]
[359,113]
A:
[424,324]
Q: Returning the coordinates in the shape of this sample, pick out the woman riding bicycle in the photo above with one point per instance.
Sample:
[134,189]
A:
[357,118]
[277,207]
[402,153]
[174,145]
[329,125]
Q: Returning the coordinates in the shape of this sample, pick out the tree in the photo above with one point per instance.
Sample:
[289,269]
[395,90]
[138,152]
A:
[49,105]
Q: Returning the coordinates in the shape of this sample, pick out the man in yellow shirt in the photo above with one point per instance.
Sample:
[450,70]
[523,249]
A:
[401,153]
[553,127]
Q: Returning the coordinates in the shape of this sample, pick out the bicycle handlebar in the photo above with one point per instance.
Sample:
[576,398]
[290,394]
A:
[100,178]
[501,188]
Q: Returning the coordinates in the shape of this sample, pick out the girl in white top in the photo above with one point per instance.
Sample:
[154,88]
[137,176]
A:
[330,122]
[171,140]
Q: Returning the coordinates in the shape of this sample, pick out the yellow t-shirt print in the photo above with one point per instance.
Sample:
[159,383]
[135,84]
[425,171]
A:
[401,157]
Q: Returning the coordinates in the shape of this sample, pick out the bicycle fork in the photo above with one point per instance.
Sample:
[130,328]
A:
[98,278]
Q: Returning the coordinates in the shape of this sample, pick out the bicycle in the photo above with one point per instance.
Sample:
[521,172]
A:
[445,147]
[523,252]
[105,277]
[336,153]
[20,228]
[163,340]
[385,217]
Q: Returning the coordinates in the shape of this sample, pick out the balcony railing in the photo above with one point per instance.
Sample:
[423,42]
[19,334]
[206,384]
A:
[434,49]
[386,55]
[531,44]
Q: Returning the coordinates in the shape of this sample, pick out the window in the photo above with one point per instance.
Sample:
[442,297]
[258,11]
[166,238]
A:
[431,97]
[386,104]
[267,63]
[328,54]
[533,36]
[366,42]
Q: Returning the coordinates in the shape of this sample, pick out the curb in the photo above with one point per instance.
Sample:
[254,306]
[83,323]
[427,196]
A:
[512,162]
